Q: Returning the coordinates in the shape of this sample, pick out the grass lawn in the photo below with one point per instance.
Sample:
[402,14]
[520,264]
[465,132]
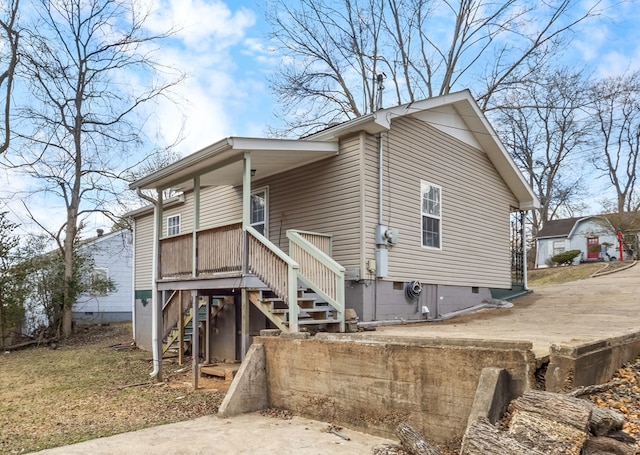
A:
[86,389]
[557,275]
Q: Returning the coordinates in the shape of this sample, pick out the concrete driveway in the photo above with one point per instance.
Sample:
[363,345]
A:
[248,434]
[572,313]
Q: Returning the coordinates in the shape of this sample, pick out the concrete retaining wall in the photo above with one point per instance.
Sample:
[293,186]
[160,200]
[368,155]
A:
[590,363]
[373,384]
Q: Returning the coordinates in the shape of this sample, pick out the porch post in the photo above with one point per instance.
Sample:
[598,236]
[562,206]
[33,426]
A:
[525,284]
[246,221]
[246,191]
[196,225]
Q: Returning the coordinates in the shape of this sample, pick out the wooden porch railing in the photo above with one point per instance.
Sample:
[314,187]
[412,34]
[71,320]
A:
[317,269]
[276,270]
[176,256]
[220,249]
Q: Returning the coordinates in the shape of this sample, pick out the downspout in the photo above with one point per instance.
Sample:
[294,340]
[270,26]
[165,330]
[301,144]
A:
[154,287]
[380,175]
[133,282]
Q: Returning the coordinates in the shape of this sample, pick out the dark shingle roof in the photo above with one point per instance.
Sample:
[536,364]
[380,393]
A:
[558,228]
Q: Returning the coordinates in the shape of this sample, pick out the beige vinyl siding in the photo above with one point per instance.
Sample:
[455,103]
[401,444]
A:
[186,216]
[220,205]
[371,204]
[321,197]
[143,252]
[475,209]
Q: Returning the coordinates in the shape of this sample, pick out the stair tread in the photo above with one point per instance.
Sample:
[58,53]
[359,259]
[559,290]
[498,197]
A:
[302,310]
[315,321]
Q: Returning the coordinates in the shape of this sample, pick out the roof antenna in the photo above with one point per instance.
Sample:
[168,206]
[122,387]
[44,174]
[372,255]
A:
[380,77]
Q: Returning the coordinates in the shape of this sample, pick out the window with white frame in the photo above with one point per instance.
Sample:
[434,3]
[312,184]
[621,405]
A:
[431,196]
[259,211]
[99,280]
[173,225]
[558,247]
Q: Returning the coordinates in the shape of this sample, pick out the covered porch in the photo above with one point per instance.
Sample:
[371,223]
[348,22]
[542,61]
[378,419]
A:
[236,254]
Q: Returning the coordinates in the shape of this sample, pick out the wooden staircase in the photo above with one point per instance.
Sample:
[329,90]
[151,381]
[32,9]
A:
[314,315]
[217,304]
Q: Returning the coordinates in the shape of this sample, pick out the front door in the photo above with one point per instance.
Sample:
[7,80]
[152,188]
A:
[593,248]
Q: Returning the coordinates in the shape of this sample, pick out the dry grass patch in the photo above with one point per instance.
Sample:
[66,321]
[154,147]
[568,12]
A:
[558,275]
[81,391]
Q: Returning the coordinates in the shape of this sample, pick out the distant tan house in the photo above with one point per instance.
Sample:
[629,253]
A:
[403,214]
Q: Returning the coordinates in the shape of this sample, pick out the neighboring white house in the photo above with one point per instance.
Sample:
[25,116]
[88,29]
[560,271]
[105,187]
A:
[592,235]
[112,257]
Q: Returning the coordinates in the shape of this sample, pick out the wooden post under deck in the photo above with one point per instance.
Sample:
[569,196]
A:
[180,332]
[195,335]
[244,324]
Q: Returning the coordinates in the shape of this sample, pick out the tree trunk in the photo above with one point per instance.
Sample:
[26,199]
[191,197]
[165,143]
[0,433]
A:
[414,442]
[67,323]
[482,438]
[601,445]
[546,434]
[559,408]
[604,420]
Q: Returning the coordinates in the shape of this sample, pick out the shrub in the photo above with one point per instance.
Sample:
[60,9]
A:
[566,258]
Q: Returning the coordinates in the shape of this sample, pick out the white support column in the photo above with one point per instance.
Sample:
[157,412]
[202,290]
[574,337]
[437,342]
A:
[246,221]
[196,225]
[246,190]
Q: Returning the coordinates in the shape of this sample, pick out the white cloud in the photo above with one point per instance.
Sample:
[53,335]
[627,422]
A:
[213,46]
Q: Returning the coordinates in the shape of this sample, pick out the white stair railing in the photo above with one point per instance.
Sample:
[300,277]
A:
[317,269]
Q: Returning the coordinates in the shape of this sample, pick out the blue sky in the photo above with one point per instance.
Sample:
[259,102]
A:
[223,48]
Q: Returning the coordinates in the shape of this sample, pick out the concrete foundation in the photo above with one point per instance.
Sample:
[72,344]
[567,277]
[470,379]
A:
[374,385]
[379,300]
[248,391]
[493,395]
[572,366]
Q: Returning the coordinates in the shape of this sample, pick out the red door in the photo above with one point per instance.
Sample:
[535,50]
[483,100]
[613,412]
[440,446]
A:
[592,251]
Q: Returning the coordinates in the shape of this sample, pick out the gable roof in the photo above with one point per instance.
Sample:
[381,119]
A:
[566,226]
[558,228]
[457,114]
[474,129]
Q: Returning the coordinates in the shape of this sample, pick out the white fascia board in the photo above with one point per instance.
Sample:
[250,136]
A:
[248,144]
[148,181]
[230,148]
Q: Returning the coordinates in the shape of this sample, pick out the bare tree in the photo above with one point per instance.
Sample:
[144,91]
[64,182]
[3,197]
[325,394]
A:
[544,128]
[91,69]
[616,114]
[9,36]
[335,51]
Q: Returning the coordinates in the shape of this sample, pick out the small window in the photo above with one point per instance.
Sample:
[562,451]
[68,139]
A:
[259,211]
[173,225]
[431,196]
[99,280]
[558,247]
